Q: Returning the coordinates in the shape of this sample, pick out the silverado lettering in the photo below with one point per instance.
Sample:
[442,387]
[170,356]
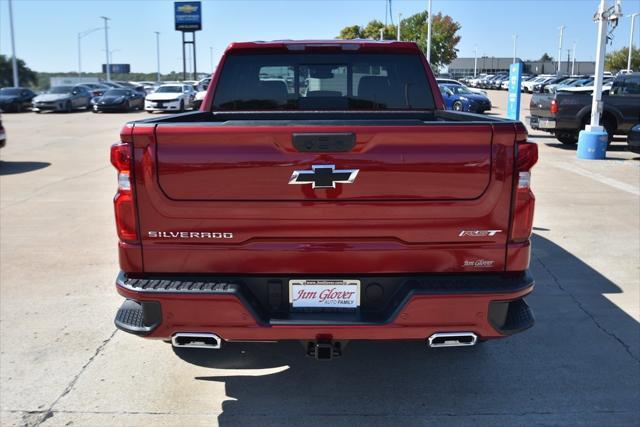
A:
[431,242]
[190,234]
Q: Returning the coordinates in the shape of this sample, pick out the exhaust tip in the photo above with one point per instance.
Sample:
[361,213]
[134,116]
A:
[453,339]
[196,340]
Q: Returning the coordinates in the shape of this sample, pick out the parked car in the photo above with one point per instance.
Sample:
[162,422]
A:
[3,135]
[96,89]
[63,98]
[16,99]
[540,86]
[274,228]
[633,138]
[475,81]
[458,83]
[201,93]
[566,112]
[171,97]
[460,98]
[496,83]
[527,86]
[119,100]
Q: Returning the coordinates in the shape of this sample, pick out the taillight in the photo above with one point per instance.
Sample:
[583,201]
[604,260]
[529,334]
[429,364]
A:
[554,106]
[124,205]
[524,201]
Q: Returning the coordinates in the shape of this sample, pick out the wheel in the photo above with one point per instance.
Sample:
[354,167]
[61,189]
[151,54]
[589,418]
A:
[18,108]
[457,106]
[67,107]
[568,138]
[181,106]
[128,107]
[38,111]
[149,111]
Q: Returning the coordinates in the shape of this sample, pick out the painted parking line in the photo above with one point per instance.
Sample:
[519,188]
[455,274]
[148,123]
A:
[631,189]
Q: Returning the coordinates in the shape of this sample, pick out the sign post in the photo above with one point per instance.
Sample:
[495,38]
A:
[188,19]
[513,101]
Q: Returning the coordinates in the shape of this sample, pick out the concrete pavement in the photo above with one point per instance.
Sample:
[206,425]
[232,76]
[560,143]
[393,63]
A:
[63,363]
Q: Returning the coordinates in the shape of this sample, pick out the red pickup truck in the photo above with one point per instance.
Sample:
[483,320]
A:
[322,194]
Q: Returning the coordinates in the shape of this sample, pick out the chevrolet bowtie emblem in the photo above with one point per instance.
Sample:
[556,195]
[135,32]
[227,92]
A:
[324,176]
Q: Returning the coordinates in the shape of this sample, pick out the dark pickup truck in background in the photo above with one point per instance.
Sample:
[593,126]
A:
[322,194]
[565,114]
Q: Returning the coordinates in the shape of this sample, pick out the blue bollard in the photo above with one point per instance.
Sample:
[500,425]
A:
[592,145]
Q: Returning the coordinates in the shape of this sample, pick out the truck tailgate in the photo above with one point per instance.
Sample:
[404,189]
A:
[210,197]
[393,163]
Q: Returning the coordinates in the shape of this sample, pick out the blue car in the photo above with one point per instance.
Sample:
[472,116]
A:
[460,98]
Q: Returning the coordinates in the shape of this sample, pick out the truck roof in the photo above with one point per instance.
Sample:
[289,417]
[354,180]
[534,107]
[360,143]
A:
[348,45]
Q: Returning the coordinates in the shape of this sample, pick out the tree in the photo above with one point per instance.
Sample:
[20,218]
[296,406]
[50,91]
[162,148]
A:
[414,28]
[352,32]
[546,58]
[617,60]
[26,76]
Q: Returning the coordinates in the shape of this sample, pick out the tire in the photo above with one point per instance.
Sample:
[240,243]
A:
[568,138]
[181,106]
[19,107]
[128,108]
[457,106]
[68,107]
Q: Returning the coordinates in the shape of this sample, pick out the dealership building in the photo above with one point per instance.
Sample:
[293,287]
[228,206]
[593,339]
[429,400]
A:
[463,67]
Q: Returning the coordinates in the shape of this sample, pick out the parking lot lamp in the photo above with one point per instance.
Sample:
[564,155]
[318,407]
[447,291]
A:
[381,33]
[429,33]
[80,36]
[515,39]
[157,55]
[399,23]
[14,62]
[592,141]
[573,60]
[633,19]
[475,61]
[560,49]
[106,45]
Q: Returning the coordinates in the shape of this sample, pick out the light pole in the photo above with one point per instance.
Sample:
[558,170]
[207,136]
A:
[106,45]
[399,24]
[211,58]
[381,33]
[592,142]
[111,52]
[14,61]
[560,49]
[573,60]
[475,61]
[157,55]
[80,36]
[633,19]
[515,38]
[429,33]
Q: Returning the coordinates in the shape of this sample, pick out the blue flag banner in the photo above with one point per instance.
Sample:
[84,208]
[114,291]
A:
[513,101]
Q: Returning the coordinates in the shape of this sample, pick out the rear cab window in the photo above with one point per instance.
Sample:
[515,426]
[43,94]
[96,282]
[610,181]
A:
[321,81]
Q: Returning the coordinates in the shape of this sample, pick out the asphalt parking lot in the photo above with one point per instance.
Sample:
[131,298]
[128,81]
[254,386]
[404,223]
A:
[62,362]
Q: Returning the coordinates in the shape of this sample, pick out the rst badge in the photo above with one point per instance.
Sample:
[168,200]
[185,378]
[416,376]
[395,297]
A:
[324,176]
[478,233]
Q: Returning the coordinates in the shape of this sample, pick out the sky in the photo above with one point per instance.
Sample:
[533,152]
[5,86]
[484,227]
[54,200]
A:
[46,31]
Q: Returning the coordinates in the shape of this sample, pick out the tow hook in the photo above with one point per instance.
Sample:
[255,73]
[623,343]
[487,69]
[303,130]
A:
[324,349]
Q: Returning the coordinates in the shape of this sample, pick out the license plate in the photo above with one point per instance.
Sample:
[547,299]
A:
[324,293]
